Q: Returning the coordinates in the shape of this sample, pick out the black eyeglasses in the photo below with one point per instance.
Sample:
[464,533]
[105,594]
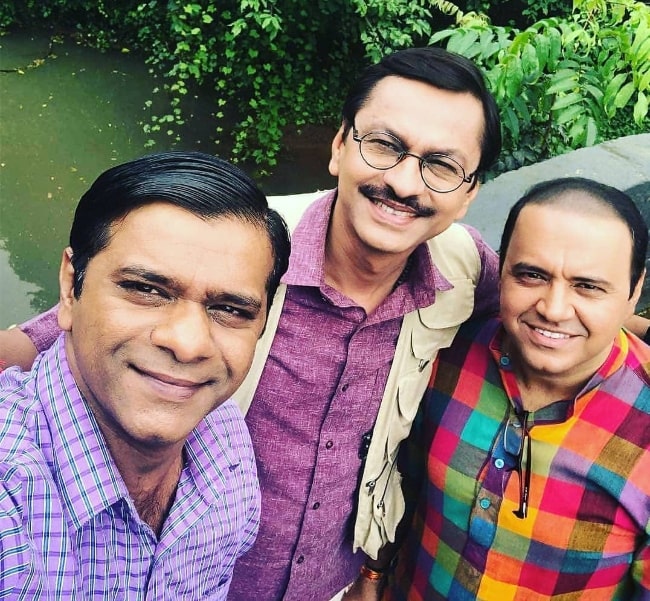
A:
[440,173]
[515,438]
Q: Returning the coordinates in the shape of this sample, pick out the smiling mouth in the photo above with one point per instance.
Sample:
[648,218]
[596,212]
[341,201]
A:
[171,380]
[401,212]
[387,201]
[552,335]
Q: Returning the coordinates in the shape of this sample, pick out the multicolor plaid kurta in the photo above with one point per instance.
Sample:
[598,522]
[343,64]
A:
[587,533]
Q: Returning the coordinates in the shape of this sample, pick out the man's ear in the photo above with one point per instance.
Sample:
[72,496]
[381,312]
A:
[337,143]
[636,295]
[66,290]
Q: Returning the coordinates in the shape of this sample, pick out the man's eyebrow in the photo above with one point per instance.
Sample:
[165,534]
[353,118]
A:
[252,303]
[145,273]
[593,281]
[523,266]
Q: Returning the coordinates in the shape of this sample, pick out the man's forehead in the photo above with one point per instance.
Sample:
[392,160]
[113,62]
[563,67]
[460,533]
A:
[168,240]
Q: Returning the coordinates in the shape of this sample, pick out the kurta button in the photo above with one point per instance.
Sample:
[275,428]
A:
[300,559]
[484,503]
[345,387]
[329,444]
[316,505]
[499,463]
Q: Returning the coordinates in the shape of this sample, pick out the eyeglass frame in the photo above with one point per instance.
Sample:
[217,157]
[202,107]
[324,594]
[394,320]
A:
[465,179]
[524,475]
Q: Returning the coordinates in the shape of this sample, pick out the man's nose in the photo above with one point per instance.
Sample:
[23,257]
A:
[185,331]
[405,178]
[555,303]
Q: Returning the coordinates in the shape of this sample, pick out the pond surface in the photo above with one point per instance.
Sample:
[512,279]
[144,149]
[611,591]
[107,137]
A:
[64,119]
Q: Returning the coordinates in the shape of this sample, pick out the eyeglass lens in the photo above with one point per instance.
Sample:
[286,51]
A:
[383,151]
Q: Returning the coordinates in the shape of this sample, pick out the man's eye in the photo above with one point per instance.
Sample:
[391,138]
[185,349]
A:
[439,164]
[529,276]
[588,287]
[384,145]
[229,312]
[142,288]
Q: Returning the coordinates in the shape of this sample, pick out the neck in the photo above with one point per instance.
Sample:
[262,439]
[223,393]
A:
[539,390]
[367,277]
[151,477]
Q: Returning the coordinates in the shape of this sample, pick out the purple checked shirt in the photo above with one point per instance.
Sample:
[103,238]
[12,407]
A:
[68,527]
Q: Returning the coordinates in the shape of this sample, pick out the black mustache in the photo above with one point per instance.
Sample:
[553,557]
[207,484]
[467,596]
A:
[387,193]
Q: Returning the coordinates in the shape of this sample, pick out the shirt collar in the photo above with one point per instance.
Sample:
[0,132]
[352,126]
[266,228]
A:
[306,263]
[89,479]
[563,409]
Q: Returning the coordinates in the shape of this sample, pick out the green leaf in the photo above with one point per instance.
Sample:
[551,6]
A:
[624,95]
[461,44]
[543,49]
[591,134]
[562,102]
[511,122]
[568,114]
[514,77]
[614,85]
[640,108]
[570,82]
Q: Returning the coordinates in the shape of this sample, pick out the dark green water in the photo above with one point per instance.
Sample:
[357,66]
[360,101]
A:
[65,121]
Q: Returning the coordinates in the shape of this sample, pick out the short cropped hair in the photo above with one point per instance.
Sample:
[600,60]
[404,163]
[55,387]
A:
[562,191]
[200,183]
[441,69]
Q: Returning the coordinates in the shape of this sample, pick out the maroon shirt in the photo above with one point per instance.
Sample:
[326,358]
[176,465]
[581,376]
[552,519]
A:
[319,393]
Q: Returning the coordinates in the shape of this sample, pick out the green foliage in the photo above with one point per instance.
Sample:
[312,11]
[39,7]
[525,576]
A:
[562,83]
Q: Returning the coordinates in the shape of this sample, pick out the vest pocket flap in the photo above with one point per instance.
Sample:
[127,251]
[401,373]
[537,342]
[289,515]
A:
[440,320]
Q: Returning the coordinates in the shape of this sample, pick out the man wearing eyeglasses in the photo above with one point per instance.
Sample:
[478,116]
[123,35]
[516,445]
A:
[533,440]
[364,286]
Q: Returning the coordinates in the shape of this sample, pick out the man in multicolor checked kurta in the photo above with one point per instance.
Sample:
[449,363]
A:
[534,435]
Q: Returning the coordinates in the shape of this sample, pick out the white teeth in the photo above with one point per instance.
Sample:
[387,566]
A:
[549,334]
[390,210]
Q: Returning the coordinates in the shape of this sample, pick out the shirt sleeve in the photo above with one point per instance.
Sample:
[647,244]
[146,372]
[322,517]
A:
[486,295]
[15,557]
[43,329]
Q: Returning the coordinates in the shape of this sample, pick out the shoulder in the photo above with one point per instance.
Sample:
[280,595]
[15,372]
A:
[294,207]
[19,412]
[638,360]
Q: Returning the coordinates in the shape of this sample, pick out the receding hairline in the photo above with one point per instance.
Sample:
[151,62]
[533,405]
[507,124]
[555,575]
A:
[582,202]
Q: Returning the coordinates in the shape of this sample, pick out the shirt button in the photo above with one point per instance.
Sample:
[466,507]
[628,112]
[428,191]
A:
[300,559]
[316,505]
[329,444]
[499,463]
[484,503]
[345,387]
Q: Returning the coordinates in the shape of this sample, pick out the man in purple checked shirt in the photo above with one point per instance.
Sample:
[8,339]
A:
[125,471]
